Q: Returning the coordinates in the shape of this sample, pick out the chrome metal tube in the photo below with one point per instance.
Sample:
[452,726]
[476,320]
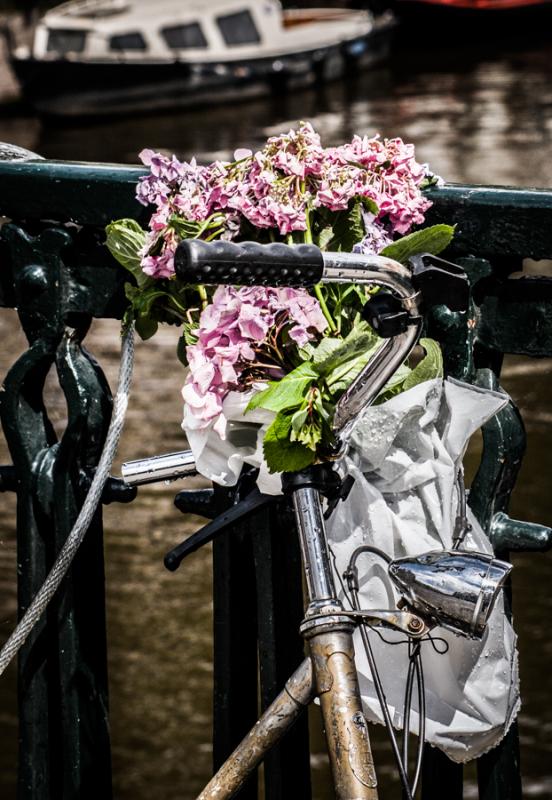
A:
[314,548]
[357,268]
[377,271]
[167,467]
[364,390]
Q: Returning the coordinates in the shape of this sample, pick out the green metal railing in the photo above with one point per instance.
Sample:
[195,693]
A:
[56,271]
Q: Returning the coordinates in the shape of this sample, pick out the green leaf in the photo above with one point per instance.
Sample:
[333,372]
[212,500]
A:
[188,336]
[186,229]
[395,384]
[325,237]
[286,393]
[431,365]
[145,326]
[428,240]
[125,239]
[281,454]
[332,353]
[324,351]
[310,434]
[298,420]
[370,205]
[348,228]
[343,376]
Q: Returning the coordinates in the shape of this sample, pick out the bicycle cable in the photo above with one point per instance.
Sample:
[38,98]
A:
[91,502]
[351,576]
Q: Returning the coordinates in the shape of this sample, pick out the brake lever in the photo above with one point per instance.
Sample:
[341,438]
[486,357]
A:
[237,513]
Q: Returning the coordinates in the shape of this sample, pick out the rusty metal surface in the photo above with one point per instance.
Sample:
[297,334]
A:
[345,726]
[268,731]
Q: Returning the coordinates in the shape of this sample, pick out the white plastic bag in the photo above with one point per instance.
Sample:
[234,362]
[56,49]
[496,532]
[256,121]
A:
[405,456]
[221,458]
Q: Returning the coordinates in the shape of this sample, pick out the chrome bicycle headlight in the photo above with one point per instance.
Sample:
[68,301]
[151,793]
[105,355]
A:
[455,589]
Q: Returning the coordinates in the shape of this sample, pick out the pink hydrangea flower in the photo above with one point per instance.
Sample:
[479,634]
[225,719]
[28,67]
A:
[231,338]
[376,239]
[278,186]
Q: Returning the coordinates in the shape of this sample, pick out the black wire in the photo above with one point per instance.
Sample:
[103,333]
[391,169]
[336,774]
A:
[421,717]
[339,578]
[407,795]
[390,641]
[433,640]
[413,651]
[367,548]
[415,671]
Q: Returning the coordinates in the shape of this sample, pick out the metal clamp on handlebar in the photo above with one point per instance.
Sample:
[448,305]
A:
[440,282]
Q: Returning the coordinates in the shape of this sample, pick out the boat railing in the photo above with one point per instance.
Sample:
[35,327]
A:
[57,273]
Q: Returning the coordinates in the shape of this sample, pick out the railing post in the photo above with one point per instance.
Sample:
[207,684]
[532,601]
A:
[64,738]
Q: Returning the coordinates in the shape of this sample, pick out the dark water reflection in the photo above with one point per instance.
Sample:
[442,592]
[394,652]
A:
[479,117]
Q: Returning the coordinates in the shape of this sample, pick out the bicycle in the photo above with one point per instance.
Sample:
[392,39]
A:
[451,588]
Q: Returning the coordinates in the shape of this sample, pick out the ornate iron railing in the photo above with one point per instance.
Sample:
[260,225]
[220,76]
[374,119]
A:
[55,270]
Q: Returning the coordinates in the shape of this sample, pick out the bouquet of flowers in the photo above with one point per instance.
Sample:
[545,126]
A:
[289,352]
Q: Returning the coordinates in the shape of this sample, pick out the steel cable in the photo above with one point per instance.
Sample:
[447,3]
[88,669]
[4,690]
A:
[89,507]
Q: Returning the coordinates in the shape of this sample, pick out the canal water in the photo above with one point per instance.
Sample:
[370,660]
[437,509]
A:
[479,116]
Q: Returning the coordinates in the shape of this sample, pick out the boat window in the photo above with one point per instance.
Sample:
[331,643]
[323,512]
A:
[183,37]
[238,28]
[128,41]
[66,41]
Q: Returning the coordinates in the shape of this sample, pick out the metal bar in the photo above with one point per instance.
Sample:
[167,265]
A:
[491,220]
[499,772]
[330,641]
[439,775]
[168,467]
[363,391]
[235,708]
[86,193]
[314,548]
[267,732]
[278,575]
[347,737]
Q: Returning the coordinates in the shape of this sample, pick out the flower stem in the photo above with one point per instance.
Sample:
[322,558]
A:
[324,307]
[318,287]
[202,292]
[308,230]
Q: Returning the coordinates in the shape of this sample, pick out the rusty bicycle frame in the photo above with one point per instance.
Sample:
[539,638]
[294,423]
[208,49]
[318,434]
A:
[328,672]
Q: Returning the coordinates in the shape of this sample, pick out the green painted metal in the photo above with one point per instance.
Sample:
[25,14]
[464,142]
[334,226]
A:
[59,275]
[88,194]
[64,737]
[496,221]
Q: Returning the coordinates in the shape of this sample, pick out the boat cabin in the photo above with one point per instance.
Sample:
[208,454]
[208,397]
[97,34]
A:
[170,30]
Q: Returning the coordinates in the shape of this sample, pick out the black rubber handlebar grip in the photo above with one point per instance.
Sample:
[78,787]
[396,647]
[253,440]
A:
[248,263]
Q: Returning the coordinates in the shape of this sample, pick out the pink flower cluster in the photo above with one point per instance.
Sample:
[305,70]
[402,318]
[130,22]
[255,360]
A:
[281,187]
[231,337]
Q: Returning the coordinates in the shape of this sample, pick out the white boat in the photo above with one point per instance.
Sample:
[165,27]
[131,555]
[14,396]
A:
[101,57]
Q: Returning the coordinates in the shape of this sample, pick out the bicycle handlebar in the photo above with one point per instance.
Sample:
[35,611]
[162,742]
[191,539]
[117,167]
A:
[304,265]
[248,263]
[167,467]
[396,317]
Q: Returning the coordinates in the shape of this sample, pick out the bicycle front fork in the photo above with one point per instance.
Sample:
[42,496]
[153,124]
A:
[329,636]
